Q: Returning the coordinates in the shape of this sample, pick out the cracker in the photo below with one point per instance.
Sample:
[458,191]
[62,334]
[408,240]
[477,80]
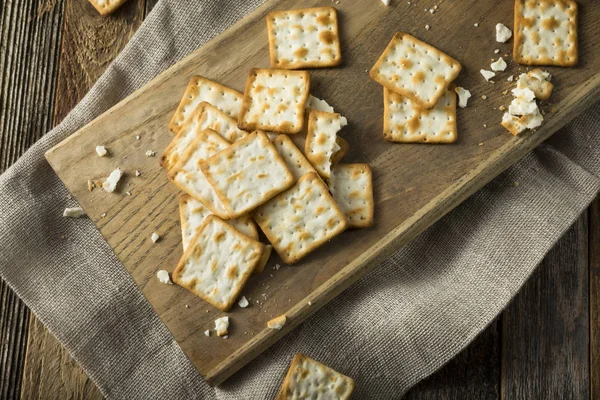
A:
[193,213]
[106,7]
[217,263]
[247,174]
[535,81]
[341,153]
[274,100]
[266,254]
[310,379]
[546,32]
[321,140]
[187,176]
[205,116]
[293,157]
[415,70]
[406,122]
[201,89]
[305,38]
[301,219]
[352,188]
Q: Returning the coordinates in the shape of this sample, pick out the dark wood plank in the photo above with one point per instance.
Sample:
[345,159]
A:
[594,244]
[473,374]
[150,5]
[30,33]
[545,329]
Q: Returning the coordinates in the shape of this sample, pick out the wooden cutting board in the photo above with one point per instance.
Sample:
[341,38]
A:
[414,185]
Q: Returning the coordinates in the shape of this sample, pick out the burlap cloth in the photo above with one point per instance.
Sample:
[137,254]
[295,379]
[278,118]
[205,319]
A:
[391,329]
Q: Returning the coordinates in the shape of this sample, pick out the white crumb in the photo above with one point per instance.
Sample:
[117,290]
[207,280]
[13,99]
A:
[227,336]
[498,65]
[103,215]
[510,78]
[277,323]
[207,332]
[476,24]
[155,236]
[163,277]
[101,151]
[496,51]
[463,96]
[137,173]
[110,184]
[502,33]
[73,212]
[243,302]
[137,137]
[427,27]
[128,193]
[222,326]
[310,303]
[386,2]
[487,74]
[150,153]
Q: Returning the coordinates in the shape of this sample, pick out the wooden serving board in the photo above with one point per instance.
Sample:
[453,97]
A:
[414,185]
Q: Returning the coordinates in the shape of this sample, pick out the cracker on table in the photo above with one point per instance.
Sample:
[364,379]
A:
[415,69]
[304,38]
[341,153]
[352,188]
[218,262]
[264,258]
[201,89]
[274,100]
[293,157]
[301,219]
[106,7]
[546,32]
[406,122]
[321,140]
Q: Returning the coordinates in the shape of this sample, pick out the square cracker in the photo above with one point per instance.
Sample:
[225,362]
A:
[546,32]
[106,7]
[415,70]
[308,379]
[321,140]
[201,89]
[193,213]
[218,262]
[247,174]
[187,176]
[305,38]
[205,116]
[301,219]
[274,100]
[293,157]
[352,188]
[406,122]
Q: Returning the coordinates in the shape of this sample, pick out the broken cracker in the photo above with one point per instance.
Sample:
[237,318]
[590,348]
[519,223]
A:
[352,188]
[321,140]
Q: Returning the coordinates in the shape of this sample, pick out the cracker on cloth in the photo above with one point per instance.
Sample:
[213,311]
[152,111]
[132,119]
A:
[218,262]
[305,38]
[546,32]
[310,379]
[293,157]
[301,219]
[201,89]
[321,140]
[352,188]
[415,70]
[274,100]
[106,7]
[193,213]
[187,176]
[247,174]
[406,122]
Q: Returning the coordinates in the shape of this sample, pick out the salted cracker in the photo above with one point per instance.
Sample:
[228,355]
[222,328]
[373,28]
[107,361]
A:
[546,32]
[352,188]
[247,174]
[537,81]
[406,122]
[264,258]
[193,213]
[304,38]
[187,176]
[415,69]
[344,148]
[201,89]
[218,262]
[293,157]
[106,7]
[274,100]
[321,140]
[310,379]
[301,219]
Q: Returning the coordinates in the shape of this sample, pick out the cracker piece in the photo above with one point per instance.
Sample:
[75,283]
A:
[546,32]
[321,140]
[293,157]
[352,188]
[106,7]
[540,87]
[415,70]
[305,38]
[247,174]
[277,322]
[218,262]
[274,100]
[341,153]
[301,219]
[264,258]
[187,176]
[205,116]
[513,124]
[308,379]
[193,213]
[201,89]
[406,122]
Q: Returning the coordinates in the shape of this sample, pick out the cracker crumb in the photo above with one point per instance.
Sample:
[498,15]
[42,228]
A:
[110,184]
[90,185]
[150,153]
[386,2]
[155,237]
[481,143]
[554,110]
[207,333]
[503,33]
[187,306]
[487,74]
[484,125]
[431,10]
[137,137]
[222,326]
[476,24]
[505,92]
[101,151]
[163,277]
[128,193]
[502,108]
[277,323]
[496,51]
[463,96]
[137,173]
[243,302]
[227,336]
[427,27]
[484,97]
[277,266]
[103,215]
[73,212]
[310,303]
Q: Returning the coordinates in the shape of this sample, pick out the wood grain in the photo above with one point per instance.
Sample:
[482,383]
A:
[408,199]
[545,330]
[594,252]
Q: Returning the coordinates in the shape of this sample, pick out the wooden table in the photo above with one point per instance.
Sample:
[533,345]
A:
[546,344]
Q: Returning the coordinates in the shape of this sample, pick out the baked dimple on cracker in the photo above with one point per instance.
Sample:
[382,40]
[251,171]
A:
[406,122]
[274,100]
[217,263]
[321,140]
[301,219]
[305,38]
[352,188]
[415,70]
[545,32]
